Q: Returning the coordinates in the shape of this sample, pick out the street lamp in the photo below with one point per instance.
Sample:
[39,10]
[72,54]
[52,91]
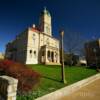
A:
[62,58]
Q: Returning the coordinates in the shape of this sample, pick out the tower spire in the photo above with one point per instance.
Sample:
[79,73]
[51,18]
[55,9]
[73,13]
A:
[45,22]
[45,8]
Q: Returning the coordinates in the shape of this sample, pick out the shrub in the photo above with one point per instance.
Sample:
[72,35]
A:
[27,78]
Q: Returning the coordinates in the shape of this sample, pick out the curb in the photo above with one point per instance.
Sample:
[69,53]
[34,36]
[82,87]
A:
[69,89]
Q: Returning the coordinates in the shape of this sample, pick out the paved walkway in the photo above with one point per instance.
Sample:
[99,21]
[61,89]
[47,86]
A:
[89,92]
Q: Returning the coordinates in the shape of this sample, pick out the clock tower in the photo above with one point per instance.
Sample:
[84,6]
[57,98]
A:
[45,22]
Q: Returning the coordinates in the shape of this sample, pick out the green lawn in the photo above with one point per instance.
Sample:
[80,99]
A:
[51,78]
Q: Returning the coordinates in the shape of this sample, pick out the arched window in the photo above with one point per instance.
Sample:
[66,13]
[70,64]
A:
[48,56]
[34,37]
[47,29]
[42,53]
[35,54]
[47,41]
[30,53]
[52,56]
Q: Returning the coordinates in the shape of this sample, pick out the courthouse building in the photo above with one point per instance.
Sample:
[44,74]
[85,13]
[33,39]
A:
[35,44]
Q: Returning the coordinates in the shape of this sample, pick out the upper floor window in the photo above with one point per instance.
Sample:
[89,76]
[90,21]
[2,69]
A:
[47,29]
[34,38]
[47,41]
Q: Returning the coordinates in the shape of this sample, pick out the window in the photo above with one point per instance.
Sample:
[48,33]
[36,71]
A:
[52,56]
[30,53]
[47,29]
[48,56]
[47,41]
[34,53]
[42,53]
[34,37]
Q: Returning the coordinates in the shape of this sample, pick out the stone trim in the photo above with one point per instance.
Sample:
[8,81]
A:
[8,88]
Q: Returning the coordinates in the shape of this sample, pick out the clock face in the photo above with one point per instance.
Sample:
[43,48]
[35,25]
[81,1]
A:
[33,36]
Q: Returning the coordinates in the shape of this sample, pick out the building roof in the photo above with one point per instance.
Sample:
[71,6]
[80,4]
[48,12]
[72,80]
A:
[38,31]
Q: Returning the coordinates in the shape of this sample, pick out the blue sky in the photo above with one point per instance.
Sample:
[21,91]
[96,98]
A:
[75,15]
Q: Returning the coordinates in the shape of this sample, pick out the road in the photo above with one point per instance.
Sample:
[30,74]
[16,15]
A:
[89,92]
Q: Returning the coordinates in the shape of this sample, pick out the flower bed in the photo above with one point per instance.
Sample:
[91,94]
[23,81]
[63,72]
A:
[27,78]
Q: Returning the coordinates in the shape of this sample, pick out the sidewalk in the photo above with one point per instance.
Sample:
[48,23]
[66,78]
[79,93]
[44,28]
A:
[89,92]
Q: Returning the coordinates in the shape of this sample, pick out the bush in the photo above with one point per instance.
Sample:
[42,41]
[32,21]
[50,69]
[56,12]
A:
[27,78]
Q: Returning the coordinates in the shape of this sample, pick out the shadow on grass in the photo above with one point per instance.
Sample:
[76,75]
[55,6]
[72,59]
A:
[53,66]
[52,79]
[91,67]
[94,68]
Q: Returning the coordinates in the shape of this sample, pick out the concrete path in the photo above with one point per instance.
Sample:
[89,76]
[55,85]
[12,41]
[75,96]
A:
[89,92]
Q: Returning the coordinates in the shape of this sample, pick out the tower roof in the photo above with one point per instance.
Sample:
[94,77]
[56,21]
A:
[45,11]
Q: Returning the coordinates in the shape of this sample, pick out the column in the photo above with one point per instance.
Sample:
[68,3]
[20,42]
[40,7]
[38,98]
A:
[45,55]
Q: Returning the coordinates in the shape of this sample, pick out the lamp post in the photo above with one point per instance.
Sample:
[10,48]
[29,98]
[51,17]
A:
[62,58]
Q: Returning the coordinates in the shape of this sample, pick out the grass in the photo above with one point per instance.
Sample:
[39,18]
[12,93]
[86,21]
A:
[51,78]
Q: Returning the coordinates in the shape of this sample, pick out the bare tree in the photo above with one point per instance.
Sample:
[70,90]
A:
[73,43]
